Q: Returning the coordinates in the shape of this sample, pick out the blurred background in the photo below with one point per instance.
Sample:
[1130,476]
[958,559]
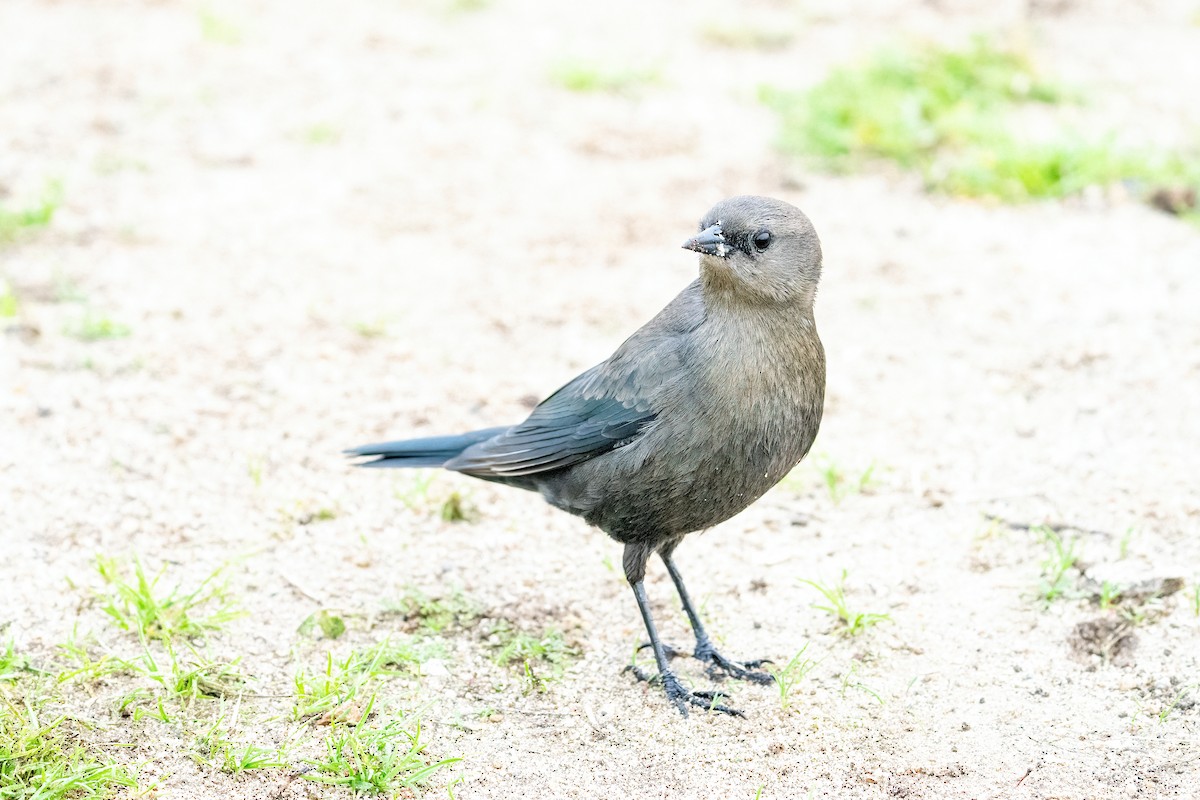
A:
[237,237]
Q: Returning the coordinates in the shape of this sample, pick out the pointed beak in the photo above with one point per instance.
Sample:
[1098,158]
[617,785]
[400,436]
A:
[709,242]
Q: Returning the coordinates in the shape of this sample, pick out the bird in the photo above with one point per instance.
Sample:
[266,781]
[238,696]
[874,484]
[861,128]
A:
[693,418]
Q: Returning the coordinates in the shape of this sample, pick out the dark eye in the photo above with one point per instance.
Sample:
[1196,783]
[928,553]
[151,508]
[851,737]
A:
[762,240]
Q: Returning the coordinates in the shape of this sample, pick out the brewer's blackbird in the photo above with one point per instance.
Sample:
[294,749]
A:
[692,419]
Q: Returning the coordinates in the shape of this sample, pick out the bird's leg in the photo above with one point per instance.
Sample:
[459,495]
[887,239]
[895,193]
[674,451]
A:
[705,651]
[675,690]
[635,568]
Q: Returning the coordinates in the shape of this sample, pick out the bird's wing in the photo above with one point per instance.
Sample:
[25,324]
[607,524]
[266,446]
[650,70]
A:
[588,417]
[604,407]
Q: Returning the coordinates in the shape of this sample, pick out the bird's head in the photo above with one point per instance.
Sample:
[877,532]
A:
[758,250]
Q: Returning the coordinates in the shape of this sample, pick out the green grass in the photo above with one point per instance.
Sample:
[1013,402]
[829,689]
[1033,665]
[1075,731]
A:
[374,759]
[322,622]
[1062,557]
[456,508]
[947,114]
[541,658]
[904,104]
[789,676]
[218,29]
[433,614]
[852,622]
[137,603]
[1110,593]
[15,223]
[322,133]
[325,690]
[577,75]
[1195,600]
[9,303]
[849,682]
[1126,541]
[93,327]
[1014,171]
[40,759]
[375,329]
[13,665]
[840,484]
[1170,707]
[217,746]
[334,688]
[418,497]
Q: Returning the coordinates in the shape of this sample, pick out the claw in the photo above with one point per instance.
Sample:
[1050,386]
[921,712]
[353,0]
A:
[720,667]
[668,650]
[708,699]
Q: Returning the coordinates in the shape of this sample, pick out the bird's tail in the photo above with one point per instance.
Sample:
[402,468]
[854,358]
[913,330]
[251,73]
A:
[433,451]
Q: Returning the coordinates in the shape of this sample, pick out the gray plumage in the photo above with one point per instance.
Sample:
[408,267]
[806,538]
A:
[692,419]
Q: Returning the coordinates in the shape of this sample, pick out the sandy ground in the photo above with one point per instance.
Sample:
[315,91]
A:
[252,187]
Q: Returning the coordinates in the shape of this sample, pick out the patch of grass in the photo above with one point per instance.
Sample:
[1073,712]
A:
[9,304]
[415,496]
[418,496]
[93,327]
[456,508]
[1166,712]
[218,29]
[307,512]
[181,680]
[1015,171]
[787,677]
[326,690]
[206,677]
[216,746]
[1126,540]
[255,467]
[853,622]
[542,657]
[848,682]
[577,75]
[1110,593]
[370,330]
[322,133]
[137,604]
[841,484]
[1063,556]
[1195,599]
[40,759]
[903,105]
[432,614]
[371,759]
[748,37]
[333,690]
[14,665]
[324,622]
[15,223]
[86,667]
[945,112]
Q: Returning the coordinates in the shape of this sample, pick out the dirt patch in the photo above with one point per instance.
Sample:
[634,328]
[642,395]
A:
[1110,638]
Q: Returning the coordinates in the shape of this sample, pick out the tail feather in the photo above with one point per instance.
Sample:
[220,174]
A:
[432,451]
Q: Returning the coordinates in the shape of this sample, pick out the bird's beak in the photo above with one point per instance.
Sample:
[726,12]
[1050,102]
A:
[709,241]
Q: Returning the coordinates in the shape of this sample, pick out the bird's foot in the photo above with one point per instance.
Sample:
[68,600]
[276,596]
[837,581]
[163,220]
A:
[682,697]
[719,667]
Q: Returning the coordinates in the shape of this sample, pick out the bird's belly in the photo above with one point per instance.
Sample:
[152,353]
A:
[664,487]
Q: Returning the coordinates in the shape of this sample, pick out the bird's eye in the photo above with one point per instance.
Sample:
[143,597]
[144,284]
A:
[762,240]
